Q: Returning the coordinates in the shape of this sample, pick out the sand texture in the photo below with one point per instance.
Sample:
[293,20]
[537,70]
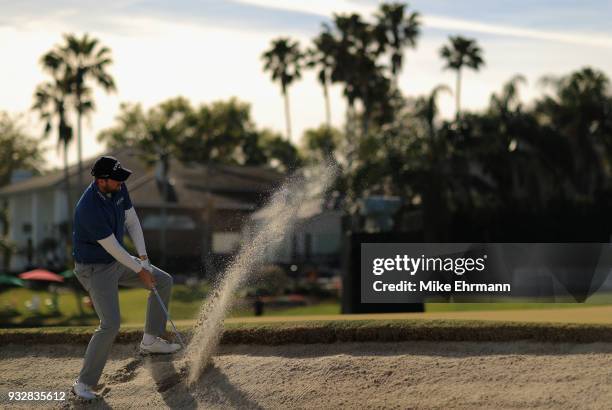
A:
[422,375]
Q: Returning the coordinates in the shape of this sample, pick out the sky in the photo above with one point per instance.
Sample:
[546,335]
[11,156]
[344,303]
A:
[209,50]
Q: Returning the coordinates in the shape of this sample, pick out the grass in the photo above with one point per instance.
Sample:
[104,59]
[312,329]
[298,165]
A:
[328,307]
[347,331]
[133,305]
[186,303]
[600,299]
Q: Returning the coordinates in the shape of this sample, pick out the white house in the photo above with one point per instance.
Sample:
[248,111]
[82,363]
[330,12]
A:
[38,211]
[315,238]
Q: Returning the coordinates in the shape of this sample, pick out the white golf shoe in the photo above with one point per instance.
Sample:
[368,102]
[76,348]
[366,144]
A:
[160,346]
[83,391]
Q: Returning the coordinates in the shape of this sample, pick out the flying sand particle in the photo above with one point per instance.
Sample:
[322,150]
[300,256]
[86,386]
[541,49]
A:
[299,197]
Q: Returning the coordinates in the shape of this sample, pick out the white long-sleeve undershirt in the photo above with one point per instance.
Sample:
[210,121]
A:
[132,223]
[114,248]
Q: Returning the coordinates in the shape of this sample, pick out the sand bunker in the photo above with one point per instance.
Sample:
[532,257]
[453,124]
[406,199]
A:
[350,375]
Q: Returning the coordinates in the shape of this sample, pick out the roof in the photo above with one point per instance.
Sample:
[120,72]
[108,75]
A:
[51,179]
[191,185]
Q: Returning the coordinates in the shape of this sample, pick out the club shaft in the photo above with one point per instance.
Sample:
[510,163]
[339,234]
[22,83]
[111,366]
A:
[161,302]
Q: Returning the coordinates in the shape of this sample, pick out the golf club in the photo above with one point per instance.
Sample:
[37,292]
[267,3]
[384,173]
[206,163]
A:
[178,335]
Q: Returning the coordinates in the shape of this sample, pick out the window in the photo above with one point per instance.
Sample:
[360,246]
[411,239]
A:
[225,242]
[173,222]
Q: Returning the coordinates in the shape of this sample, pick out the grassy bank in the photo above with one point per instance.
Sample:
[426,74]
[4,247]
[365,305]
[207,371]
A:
[346,331]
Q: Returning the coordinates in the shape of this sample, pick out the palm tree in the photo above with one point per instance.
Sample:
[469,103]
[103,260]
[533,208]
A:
[508,100]
[357,68]
[284,61]
[461,52]
[81,61]
[396,30]
[580,110]
[427,109]
[321,56]
[157,133]
[433,181]
[51,100]
[510,156]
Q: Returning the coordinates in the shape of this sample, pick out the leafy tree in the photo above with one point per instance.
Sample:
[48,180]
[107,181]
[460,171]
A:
[81,62]
[321,57]
[357,68]
[508,155]
[321,144]
[580,110]
[156,132]
[508,100]
[459,53]
[281,154]
[395,30]
[220,132]
[19,151]
[284,61]
[427,109]
[51,100]
[431,174]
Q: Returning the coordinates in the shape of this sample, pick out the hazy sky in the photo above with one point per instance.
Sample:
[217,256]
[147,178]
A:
[210,49]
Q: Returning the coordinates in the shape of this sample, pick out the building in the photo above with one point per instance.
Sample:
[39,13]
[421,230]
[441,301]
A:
[205,208]
[313,242]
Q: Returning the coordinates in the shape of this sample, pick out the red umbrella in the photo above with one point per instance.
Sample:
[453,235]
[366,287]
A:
[41,274]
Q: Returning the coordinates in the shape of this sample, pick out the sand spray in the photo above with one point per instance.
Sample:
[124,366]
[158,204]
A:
[300,196]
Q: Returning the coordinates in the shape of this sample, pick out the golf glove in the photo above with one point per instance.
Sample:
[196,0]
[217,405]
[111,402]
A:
[147,265]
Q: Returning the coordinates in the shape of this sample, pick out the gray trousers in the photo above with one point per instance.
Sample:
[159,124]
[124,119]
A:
[102,282]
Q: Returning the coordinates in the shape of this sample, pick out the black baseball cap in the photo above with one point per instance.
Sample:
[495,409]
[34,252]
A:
[110,167]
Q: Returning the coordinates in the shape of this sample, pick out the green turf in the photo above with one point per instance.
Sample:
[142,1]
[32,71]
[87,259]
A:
[346,331]
[186,303]
[328,307]
[600,299]
[133,305]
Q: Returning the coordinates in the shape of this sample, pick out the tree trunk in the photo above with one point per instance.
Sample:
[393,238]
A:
[79,149]
[458,93]
[327,106]
[287,115]
[365,119]
[164,211]
[347,122]
[435,208]
[365,123]
[69,204]
[5,236]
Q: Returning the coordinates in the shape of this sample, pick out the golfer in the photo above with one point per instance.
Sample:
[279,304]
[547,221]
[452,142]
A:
[102,264]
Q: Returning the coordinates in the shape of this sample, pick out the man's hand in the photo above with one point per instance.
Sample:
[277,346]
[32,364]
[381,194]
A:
[147,278]
[145,263]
